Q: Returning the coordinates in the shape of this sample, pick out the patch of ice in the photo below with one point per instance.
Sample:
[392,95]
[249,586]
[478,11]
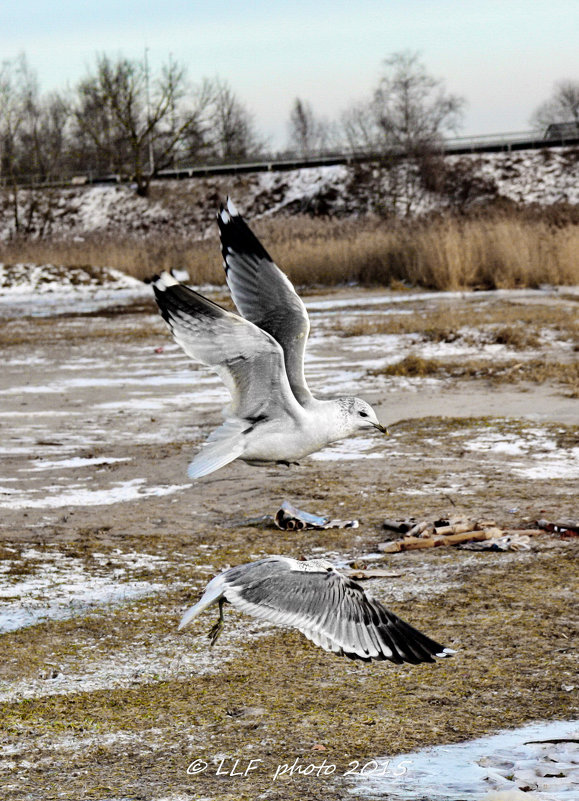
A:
[74,462]
[537,446]
[512,760]
[80,599]
[436,490]
[561,464]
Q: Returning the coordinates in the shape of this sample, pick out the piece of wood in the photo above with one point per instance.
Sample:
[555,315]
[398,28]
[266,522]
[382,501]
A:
[436,541]
[456,528]
[481,524]
[417,530]
[524,532]
[399,526]
[407,544]
[469,536]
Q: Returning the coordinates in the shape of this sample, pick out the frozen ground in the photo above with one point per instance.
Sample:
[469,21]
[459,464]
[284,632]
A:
[104,541]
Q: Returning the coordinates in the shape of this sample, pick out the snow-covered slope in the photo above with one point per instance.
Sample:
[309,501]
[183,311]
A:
[180,207]
[43,290]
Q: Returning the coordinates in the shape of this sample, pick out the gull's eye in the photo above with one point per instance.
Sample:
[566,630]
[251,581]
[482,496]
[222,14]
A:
[363,414]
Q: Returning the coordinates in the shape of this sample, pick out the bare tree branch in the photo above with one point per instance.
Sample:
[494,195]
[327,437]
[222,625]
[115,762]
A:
[562,106]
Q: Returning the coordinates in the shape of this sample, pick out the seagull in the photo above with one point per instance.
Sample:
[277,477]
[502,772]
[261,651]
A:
[332,610]
[259,355]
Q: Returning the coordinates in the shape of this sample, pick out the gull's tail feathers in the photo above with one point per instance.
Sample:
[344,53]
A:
[213,593]
[223,446]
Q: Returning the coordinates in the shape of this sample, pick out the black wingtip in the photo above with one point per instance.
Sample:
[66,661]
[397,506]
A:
[237,237]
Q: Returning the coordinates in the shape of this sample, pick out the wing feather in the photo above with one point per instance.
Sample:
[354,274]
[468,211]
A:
[264,295]
[331,610]
[248,359]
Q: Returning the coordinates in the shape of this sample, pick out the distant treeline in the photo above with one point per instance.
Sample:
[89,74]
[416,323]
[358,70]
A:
[126,120]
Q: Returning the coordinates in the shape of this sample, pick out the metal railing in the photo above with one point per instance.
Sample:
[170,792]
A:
[288,160]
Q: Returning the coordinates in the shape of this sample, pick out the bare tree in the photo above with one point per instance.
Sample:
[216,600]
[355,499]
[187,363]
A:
[563,106]
[133,123]
[403,124]
[306,133]
[359,127]
[15,90]
[31,147]
[411,108]
[231,128]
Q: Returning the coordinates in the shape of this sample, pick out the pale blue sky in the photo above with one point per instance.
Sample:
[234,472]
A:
[502,55]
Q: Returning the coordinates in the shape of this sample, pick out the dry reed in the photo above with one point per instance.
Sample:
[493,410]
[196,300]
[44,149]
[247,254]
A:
[503,250]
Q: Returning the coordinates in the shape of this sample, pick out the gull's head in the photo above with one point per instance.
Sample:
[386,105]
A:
[361,416]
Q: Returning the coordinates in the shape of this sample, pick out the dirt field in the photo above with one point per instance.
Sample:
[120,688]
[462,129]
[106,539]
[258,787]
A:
[104,542]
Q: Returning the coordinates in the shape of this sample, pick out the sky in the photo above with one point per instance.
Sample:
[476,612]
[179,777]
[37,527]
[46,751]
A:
[502,56]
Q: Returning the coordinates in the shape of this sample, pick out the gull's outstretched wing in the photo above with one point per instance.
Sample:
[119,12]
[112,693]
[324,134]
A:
[330,609]
[249,361]
[264,295]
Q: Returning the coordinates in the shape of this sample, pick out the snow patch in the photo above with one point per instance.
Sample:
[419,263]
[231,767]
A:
[78,495]
[54,586]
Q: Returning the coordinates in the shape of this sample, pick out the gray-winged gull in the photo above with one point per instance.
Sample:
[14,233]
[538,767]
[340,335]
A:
[272,417]
[331,610]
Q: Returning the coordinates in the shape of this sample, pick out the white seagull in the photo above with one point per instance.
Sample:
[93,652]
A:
[331,610]
[272,417]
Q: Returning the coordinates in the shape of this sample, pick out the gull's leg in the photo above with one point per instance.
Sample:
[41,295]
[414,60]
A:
[218,627]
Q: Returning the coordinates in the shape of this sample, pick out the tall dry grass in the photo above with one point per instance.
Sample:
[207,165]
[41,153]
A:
[501,250]
[494,253]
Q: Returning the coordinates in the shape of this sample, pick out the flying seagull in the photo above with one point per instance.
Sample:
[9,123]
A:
[272,417]
[331,610]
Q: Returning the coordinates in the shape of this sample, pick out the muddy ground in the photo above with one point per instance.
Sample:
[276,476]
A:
[104,542]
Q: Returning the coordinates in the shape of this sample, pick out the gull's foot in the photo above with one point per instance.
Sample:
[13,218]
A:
[288,464]
[217,628]
[215,632]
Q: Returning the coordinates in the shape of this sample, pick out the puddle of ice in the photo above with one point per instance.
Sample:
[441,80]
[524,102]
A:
[563,464]
[512,760]
[74,462]
[81,598]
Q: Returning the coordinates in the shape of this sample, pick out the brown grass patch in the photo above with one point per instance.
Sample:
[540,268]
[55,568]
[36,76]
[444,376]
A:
[514,336]
[536,371]
[507,323]
[502,250]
